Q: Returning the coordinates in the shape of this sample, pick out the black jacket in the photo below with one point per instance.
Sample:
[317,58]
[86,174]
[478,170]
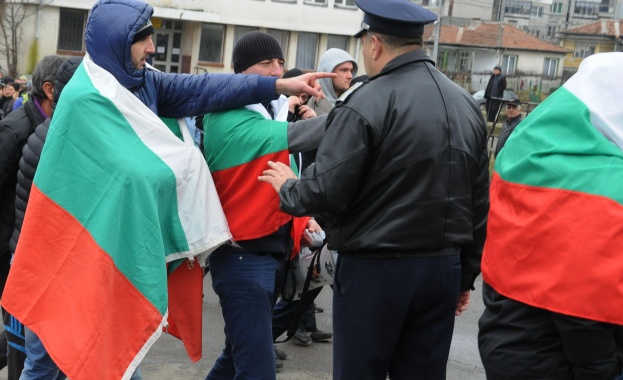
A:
[14,131]
[505,132]
[402,168]
[27,167]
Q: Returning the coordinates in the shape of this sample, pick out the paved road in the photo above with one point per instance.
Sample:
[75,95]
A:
[167,359]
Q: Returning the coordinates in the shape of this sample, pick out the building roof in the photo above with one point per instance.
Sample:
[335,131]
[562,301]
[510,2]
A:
[602,27]
[492,36]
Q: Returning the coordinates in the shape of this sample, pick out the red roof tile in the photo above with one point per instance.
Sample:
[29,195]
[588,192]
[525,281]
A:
[612,28]
[490,35]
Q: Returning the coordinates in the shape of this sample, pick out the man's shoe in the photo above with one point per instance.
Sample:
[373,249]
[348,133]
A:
[301,338]
[278,364]
[320,336]
[280,354]
[318,309]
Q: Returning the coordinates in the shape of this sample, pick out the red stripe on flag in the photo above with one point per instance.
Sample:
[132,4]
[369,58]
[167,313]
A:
[556,249]
[64,287]
[251,207]
[185,307]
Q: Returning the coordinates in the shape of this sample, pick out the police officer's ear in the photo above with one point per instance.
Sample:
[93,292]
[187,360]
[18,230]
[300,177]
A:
[377,46]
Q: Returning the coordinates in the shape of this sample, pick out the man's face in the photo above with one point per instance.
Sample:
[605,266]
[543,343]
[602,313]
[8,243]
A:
[512,111]
[141,50]
[344,73]
[496,71]
[8,91]
[268,68]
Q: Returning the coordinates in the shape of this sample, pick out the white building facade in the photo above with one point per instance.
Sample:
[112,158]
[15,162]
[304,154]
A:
[196,36]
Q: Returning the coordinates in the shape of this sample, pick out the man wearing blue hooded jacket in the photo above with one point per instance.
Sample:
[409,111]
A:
[118,39]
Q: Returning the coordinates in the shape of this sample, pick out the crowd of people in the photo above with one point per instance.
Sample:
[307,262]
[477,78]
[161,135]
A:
[392,166]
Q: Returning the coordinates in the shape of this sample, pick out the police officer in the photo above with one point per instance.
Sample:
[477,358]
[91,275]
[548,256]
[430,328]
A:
[401,183]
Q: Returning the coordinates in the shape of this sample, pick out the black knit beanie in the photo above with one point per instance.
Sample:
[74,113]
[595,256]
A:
[147,29]
[254,47]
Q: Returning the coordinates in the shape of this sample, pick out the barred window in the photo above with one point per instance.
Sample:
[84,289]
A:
[71,30]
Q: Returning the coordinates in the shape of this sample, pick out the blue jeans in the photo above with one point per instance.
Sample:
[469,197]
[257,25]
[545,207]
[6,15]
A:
[40,366]
[245,284]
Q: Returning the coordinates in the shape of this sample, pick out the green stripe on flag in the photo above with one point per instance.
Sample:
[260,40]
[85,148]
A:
[226,132]
[101,157]
[557,146]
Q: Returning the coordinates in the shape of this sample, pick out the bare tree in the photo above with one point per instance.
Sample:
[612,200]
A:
[12,16]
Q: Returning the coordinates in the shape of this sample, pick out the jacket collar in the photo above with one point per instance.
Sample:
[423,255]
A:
[404,59]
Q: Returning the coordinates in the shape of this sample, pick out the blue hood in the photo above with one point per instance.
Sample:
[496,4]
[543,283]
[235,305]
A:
[109,33]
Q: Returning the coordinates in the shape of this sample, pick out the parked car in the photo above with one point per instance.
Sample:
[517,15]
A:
[480,96]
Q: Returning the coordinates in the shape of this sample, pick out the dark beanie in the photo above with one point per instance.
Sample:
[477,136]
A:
[147,29]
[64,74]
[255,47]
[292,73]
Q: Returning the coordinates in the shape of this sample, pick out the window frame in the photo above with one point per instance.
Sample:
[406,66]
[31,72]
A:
[65,50]
[204,62]
[506,58]
[547,61]
[314,60]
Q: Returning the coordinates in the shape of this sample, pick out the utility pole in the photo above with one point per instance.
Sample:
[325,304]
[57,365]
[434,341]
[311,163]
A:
[437,31]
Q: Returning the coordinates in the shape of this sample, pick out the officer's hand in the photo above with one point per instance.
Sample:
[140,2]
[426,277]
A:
[277,175]
[463,303]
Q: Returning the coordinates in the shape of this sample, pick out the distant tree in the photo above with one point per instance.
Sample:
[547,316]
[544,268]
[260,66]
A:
[13,13]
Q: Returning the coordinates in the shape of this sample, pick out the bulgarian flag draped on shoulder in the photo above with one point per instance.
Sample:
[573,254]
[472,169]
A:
[117,199]
[555,230]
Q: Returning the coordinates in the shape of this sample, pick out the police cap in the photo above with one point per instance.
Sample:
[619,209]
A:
[399,18]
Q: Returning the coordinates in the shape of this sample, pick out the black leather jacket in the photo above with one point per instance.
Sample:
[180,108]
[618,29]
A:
[402,169]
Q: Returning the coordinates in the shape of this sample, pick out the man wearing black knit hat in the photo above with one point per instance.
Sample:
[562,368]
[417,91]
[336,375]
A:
[238,144]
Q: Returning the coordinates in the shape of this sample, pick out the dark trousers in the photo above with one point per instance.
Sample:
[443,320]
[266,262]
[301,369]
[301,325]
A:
[283,315]
[394,317]
[518,341]
[493,107]
[16,350]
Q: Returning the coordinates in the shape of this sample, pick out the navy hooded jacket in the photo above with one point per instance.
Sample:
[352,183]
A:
[109,33]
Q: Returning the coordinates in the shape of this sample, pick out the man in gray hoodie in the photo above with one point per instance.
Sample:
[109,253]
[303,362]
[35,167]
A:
[341,63]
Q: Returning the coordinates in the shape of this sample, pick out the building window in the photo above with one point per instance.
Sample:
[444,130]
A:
[316,2]
[555,8]
[345,3]
[240,31]
[306,51]
[283,37]
[71,30]
[586,8]
[339,42]
[583,50]
[550,67]
[518,7]
[605,7]
[465,61]
[551,31]
[536,11]
[509,64]
[211,44]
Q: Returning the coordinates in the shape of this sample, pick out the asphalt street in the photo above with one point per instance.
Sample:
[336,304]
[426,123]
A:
[167,359]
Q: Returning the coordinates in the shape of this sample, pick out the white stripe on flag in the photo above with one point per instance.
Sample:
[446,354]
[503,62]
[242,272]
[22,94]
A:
[599,85]
[199,207]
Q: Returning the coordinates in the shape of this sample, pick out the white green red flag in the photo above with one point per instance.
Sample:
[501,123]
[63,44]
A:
[118,202]
[555,228]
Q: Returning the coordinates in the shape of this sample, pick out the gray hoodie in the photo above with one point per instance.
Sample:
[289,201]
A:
[328,62]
